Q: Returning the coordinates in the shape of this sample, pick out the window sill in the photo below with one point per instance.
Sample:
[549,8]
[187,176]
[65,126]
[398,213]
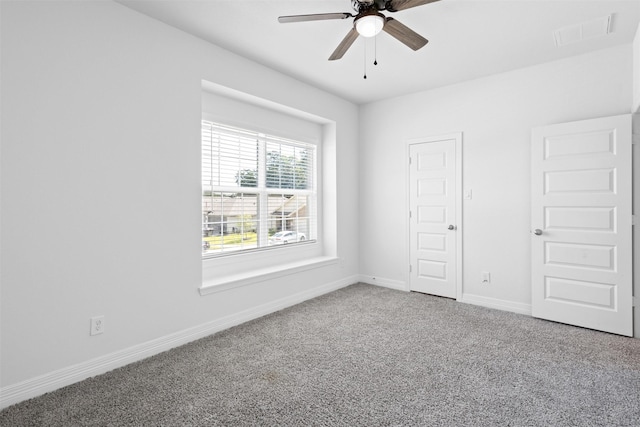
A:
[226,283]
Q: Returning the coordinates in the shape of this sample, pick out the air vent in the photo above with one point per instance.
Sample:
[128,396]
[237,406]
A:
[584,31]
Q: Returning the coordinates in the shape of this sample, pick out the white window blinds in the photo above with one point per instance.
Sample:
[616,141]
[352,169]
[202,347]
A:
[257,190]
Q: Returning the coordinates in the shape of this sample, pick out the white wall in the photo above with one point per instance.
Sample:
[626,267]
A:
[222,109]
[101,189]
[496,115]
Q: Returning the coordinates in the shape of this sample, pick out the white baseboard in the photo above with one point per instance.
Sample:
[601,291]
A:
[62,377]
[495,303]
[385,283]
[499,304]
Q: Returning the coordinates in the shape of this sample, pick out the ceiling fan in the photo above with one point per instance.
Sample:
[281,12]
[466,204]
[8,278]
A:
[368,22]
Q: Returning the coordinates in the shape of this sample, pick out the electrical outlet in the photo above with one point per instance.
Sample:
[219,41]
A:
[97,325]
[485,277]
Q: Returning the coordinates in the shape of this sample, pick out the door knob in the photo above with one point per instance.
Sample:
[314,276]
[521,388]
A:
[537,232]
[452,227]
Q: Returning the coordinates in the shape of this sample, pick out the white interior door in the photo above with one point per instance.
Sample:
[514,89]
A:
[581,224]
[434,221]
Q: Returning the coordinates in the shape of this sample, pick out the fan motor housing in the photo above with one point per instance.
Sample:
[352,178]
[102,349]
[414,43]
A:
[375,5]
[359,4]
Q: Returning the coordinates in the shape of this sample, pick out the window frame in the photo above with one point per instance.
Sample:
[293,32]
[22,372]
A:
[291,263]
[262,191]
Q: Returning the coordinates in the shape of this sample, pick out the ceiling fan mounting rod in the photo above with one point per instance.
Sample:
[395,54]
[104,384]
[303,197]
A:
[359,4]
[377,5]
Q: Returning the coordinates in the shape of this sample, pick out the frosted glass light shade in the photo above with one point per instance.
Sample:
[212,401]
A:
[369,25]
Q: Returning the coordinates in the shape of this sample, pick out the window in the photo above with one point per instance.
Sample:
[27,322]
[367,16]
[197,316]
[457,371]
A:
[258,191]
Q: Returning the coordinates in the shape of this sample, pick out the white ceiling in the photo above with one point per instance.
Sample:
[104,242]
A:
[467,38]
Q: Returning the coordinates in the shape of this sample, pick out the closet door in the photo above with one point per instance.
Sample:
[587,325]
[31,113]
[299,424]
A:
[434,233]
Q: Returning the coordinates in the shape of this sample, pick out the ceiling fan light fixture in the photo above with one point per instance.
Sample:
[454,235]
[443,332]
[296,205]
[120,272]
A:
[370,25]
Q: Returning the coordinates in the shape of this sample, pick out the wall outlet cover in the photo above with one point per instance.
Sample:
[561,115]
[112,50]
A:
[97,325]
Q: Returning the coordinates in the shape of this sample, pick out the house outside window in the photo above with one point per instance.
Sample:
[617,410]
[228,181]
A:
[258,191]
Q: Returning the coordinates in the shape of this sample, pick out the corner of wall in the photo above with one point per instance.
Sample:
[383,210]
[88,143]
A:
[636,72]
[397,285]
[636,205]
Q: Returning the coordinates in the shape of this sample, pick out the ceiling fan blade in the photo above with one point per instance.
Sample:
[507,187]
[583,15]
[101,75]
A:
[397,5]
[405,34]
[314,17]
[344,45]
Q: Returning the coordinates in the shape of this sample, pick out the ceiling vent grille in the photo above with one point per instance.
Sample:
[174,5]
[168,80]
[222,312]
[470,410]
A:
[584,31]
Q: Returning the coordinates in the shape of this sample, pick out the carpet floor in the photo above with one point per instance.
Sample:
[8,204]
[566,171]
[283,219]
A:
[366,356]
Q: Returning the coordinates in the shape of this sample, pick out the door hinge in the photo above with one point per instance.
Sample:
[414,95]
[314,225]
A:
[410,268]
[410,214]
[634,219]
[634,301]
[409,159]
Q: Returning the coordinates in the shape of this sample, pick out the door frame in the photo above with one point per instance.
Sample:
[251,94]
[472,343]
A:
[458,194]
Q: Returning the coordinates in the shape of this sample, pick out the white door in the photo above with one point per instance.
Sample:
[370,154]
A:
[581,224]
[434,222]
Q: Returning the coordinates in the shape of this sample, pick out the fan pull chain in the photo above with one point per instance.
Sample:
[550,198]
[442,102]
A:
[375,50]
[365,59]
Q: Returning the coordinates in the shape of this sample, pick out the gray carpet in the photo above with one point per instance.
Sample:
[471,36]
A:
[366,356]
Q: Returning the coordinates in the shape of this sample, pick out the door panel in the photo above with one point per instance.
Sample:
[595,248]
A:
[580,219]
[581,208]
[433,208]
